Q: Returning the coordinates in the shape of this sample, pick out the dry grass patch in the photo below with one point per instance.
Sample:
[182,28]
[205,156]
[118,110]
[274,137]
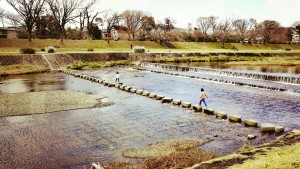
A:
[21,69]
[163,148]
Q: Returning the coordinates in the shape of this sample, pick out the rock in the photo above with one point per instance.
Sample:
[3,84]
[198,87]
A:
[267,127]
[186,104]
[167,100]
[1,82]
[279,129]
[177,102]
[152,95]
[221,115]
[117,85]
[139,91]
[250,122]
[215,135]
[208,111]
[106,83]
[251,136]
[234,118]
[197,108]
[111,84]
[133,90]
[127,88]
[96,166]
[146,93]
[296,132]
[159,97]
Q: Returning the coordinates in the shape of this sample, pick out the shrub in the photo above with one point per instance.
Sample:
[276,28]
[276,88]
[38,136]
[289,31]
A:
[27,51]
[90,49]
[50,49]
[43,49]
[288,49]
[139,49]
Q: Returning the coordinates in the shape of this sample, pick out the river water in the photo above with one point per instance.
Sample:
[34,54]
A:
[76,138]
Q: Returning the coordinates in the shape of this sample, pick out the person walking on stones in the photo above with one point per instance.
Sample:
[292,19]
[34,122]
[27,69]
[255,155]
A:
[117,77]
[202,97]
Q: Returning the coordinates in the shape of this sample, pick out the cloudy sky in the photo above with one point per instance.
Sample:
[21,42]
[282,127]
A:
[187,11]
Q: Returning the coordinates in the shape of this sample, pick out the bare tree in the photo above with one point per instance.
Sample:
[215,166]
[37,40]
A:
[87,16]
[133,21]
[63,12]
[29,11]
[267,29]
[109,20]
[2,17]
[243,27]
[204,24]
[224,27]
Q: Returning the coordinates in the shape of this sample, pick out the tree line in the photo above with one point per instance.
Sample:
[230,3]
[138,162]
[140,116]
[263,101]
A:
[72,19]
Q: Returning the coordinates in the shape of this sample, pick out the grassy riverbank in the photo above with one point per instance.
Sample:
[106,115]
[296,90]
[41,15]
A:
[97,65]
[21,69]
[13,45]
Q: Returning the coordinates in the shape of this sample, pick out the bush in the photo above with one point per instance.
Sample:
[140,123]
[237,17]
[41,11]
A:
[50,49]
[139,49]
[43,49]
[90,49]
[27,51]
[288,49]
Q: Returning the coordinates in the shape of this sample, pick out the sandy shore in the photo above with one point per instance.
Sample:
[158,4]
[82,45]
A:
[45,102]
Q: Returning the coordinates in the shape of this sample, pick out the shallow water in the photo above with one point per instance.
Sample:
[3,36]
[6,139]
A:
[75,139]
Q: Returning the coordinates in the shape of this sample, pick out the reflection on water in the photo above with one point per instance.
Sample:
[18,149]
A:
[249,68]
[32,83]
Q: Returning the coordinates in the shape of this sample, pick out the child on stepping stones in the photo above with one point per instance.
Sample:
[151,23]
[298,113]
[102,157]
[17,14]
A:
[202,97]
[117,77]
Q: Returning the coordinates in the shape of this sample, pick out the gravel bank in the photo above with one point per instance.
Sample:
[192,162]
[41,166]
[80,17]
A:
[46,102]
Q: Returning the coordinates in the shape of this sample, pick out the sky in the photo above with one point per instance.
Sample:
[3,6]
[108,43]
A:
[187,11]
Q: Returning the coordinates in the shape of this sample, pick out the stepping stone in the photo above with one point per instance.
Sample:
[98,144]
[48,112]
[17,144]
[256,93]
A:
[152,95]
[251,136]
[234,118]
[221,115]
[111,84]
[139,91]
[208,111]
[186,105]
[197,108]
[159,97]
[177,102]
[102,81]
[128,88]
[267,127]
[167,100]
[133,90]
[279,129]
[117,85]
[106,83]
[145,93]
[250,122]
[296,132]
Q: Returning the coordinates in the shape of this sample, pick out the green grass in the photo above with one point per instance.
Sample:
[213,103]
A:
[21,69]
[13,46]
[96,65]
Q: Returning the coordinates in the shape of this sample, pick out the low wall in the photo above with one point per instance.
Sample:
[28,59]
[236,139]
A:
[58,61]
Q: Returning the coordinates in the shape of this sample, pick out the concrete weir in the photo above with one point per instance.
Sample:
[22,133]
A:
[266,127]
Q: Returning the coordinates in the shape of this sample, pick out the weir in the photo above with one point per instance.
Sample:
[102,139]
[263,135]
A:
[260,76]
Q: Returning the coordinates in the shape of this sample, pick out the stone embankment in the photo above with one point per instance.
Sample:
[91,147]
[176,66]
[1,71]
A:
[59,61]
[268,128]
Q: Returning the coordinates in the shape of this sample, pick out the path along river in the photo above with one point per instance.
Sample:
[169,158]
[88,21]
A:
[77,138]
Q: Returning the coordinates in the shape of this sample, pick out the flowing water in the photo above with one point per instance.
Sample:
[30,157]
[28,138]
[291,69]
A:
[76,138]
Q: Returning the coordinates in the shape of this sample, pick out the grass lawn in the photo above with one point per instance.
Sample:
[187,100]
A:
[13,45]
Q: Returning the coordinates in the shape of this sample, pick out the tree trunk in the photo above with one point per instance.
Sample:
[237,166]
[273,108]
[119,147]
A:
[62,37]
[29,36]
